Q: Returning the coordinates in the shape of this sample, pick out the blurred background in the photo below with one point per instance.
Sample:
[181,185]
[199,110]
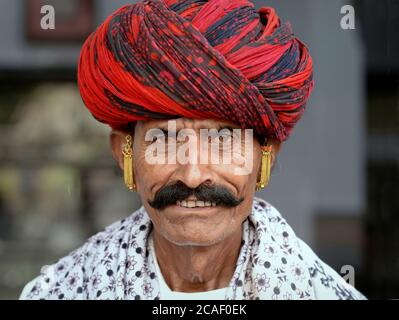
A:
[336,180]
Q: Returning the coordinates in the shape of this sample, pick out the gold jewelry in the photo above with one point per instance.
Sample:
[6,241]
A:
[128,172]
[265,168]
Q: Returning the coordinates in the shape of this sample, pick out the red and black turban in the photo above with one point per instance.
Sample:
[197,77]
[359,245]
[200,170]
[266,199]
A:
[216,59]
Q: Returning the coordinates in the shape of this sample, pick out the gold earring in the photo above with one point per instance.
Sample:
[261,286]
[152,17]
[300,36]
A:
[128,172]
[265,168]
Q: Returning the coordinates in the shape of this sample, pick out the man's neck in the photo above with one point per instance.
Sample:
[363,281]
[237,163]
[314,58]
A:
[197,268]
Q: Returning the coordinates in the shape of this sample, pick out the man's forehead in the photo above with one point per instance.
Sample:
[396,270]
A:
[180,123]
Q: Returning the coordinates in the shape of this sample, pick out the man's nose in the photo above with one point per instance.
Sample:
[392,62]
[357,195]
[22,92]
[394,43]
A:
[193,173]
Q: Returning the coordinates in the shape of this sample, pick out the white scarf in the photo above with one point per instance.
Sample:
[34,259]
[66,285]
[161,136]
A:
[116,264]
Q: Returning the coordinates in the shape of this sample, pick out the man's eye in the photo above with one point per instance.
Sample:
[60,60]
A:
[224,137]
[159,138]
[162,139]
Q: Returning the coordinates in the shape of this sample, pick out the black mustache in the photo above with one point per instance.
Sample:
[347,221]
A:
[170,194]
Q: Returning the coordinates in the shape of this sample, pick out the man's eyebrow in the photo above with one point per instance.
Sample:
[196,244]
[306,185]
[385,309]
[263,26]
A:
[228,127]
[219,128]
[165,131]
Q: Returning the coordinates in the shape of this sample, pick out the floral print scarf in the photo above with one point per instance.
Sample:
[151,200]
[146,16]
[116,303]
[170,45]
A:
[116,264]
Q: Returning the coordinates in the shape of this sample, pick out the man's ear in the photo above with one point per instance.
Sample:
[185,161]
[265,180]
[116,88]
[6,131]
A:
[117,140]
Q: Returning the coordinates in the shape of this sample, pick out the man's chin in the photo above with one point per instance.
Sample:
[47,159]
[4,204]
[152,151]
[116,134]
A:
[192,233]
[195,226]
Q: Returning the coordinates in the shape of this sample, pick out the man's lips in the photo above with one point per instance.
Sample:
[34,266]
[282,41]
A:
[195,204]
[178,211]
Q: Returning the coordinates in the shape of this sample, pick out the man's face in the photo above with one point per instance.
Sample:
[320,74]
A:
[197,198]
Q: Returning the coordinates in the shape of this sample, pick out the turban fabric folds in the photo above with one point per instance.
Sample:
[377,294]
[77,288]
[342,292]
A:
[216,59]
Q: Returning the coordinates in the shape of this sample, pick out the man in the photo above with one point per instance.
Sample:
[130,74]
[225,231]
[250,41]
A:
[199,95]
